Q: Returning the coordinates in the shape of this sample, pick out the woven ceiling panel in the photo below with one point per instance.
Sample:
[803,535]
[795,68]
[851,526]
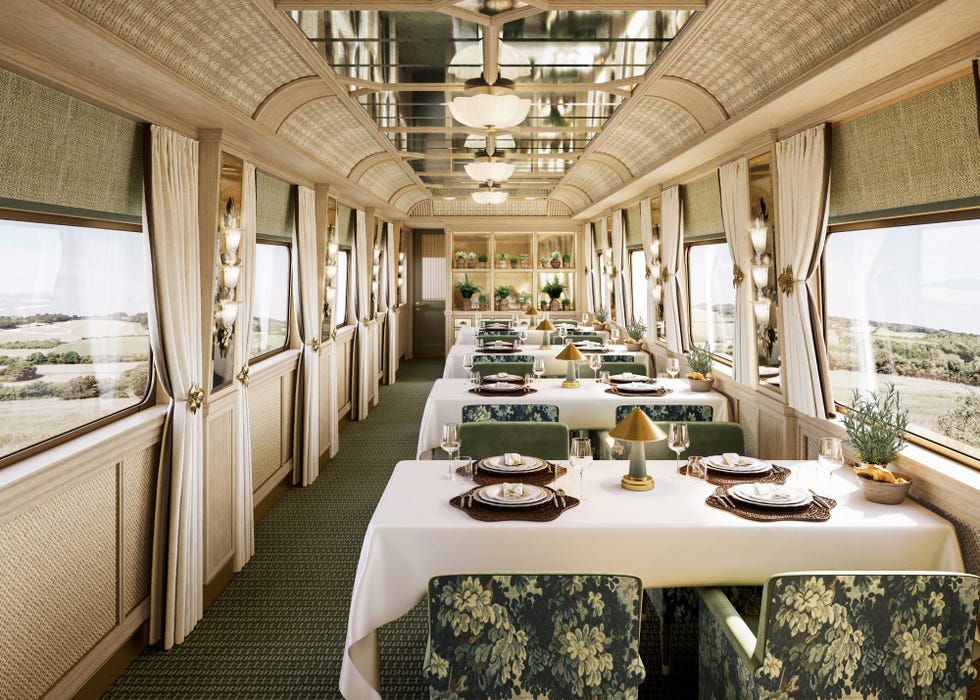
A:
[570,197]
[410,198]
[512,207]
[225,46]
[423,208]
[327,130]
[752,48]
[384,179]
[593,177]
[634,141]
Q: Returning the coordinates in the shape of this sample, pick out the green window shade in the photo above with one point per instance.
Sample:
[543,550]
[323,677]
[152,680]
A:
[64,156]
[915,156]
[701,204]
[346,222]
[631,225]
[275,207]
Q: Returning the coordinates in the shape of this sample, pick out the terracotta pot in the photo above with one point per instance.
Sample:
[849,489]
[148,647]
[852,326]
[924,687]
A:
[555,262]
[555,305]
[467,304]
[481,265]
[471,263]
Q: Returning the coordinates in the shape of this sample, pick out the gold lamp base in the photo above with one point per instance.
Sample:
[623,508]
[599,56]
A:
[570,384]
[631,483]
[544,347]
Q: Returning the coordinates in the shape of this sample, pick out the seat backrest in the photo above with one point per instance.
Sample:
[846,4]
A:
[534,636]
[532,438]
[681,412]
[518,368]
[619,358]
[527,412]
[613,368]
[869,634]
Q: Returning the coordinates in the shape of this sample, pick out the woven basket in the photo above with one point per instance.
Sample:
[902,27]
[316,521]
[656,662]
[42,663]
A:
[884,491]
[701,384]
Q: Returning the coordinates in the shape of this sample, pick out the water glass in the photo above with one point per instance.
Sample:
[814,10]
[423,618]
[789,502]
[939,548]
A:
[468,361]
[614,335]
[450,443]
[696,468]
[474,378]
[604,377]
[585,319]
[830,458]
[580,456]
[538,368]
[595,362]
[469,467]
[673,367]
[678,440]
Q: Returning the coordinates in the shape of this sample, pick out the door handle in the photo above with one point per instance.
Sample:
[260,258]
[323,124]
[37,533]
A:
[419,305]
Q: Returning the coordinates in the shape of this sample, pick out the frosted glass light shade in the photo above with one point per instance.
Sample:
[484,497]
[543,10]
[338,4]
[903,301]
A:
[758,236]
[762,311]
[489,196]
[760,276]
[477,142]
[227,313]
[233,237]
[468,62]
[483,170]
[230,275]
[487,111]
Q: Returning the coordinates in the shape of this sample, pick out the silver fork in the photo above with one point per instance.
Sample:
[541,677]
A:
[561,494]
[819,500]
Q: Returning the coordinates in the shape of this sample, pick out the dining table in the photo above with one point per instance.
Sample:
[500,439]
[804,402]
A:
[667,537]
[590,406]
[553,367]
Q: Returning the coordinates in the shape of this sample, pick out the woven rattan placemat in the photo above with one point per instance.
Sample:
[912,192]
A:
[517,392]
[545,512]
[662,391]
[818,510]
[539,478]
[776,475]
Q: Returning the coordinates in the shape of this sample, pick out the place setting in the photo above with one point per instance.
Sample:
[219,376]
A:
[513,500]
[730,469]
[501,384]
[498,346]
[762,501]
[512,467]
[629,384]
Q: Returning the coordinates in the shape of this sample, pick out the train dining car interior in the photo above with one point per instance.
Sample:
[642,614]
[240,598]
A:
[490,349]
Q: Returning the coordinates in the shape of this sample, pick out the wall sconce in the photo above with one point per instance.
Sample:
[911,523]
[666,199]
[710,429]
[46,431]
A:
[760,276]
[229,273]
[762,308]
[225,316]
[759,235]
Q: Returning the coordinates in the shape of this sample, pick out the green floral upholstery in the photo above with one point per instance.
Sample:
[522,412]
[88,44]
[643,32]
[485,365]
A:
[480,359]
[865,635]
[536,439]
[517,368]
[621,358]
[613,368]
[495,333]
[684,413]
[529,412]
[534,636]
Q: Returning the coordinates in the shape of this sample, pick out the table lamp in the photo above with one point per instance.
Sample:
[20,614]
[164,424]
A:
[637,428]
[572,356]
[545,326]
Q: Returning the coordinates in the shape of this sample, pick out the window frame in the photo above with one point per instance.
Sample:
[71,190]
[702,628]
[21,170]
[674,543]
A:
[346,250]
[688,245]
[967,214]
[149,398]
[259,239]
[630,251]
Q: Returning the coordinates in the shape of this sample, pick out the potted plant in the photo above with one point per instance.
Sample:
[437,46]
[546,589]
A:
[523,260]
[513,261]
[471,259]
[482,299]
[875,426]
[554,289]
[555,258]
[634,331]
[543,304]
[502,293]
[502,259]
[543,262]
[524,299]
[467,288]
[600,319]
[481,260]
[700,361]
[566,260]
[460,259]
[566,304]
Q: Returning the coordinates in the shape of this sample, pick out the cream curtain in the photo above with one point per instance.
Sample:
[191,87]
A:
[308,306]
[364,365]
[620,274]
[171,220]
[672,251]
[591,270]
[803,178]
[391,304]
[605,281]
[736,212]
[646,227]
[243,505]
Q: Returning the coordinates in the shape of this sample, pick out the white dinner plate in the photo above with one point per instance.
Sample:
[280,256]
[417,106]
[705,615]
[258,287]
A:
[636,387]
[770,495]
[494,496]
[630,377]
[499,344]
[502,377]
[527,465]
[502,387]
[745,465]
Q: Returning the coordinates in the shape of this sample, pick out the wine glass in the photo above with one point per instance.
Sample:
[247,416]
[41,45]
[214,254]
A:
[673,367]
[595,362]
[562,332]
[538,367]
[678,440]
[830,457]
[614,335]
[468,361]
[580,457]
[450,443]
[585,319]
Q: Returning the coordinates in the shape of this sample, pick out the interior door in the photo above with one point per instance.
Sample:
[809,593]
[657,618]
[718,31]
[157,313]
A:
[429,293]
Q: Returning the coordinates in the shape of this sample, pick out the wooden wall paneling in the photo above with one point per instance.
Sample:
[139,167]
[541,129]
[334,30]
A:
[139,482]
[219,453]
[265,427]
[327,394]
[288,411]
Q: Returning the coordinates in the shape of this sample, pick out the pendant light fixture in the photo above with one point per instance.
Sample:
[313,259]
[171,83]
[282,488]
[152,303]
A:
[485,106]
[489,167]
[488,194]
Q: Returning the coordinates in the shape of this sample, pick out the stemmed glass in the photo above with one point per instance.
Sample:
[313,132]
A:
[580,457]
[678,441]
[585,319]
[673,367]
[468,362]
[830,458]
[595,362]
[450,443]
[538,368]
[562,332]
[614,335]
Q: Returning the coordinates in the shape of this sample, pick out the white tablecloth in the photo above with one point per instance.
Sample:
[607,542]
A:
[466,335]
[552,367]
[588,406]
[667,537]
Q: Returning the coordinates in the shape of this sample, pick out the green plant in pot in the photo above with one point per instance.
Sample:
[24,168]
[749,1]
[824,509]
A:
[635,328]
[555,258]
[502,293]
[875,425]
[467,288]
[481,260]
[700,361]
[600,318]
[524,299]
[554,289]
[566,260]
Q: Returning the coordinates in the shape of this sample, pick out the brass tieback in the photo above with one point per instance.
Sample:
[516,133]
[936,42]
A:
[333,334]
[649,272]
[195,397]
[737,276]
[242,375]
[787,281]
[614,272]
[366,320]
[664,275]
[315,345]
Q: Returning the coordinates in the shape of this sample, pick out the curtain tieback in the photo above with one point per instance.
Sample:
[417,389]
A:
[665,275]
[366,320]
[333,334]
[195,397]
[315,345]
[737,276]
[787,281]
[242,375]
[614,272]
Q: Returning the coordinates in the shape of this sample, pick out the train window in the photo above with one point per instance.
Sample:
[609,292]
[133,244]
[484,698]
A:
[270,300]
[902,307]
[343,276]
[638,280]
[712,297]
[74,337]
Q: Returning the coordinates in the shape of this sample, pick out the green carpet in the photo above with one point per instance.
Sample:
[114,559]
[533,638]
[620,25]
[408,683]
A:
[278,629]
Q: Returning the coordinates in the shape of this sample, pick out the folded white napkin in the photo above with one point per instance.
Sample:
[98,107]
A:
[512,459]
[772,492]
[512,490]
[732,459]
[630,376]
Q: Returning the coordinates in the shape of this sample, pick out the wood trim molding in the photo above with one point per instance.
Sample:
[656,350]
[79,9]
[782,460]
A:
[286,99]
[703,107]
[365,164]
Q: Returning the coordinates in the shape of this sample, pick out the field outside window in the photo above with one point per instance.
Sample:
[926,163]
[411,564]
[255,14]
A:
[638,280]
[903,307]
[270,306]
[712,297]
[343,276]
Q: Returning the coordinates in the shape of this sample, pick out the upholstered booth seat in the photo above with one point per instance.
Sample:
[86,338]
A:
[517,368]
[583,337]
[613,368]
[531,412]
[535,439]
[483,358]
[533,636]
[853,634]
[492,336]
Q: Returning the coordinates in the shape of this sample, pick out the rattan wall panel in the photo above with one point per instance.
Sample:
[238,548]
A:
[748,418]
[242,60]
[752,48]
[287,386]
[632,141]
[384,179]
[467,207]
[219,490]
[592,177]
[917,152]
[265,425]
[57,584]
[702,208]
[139,503]
[327,129]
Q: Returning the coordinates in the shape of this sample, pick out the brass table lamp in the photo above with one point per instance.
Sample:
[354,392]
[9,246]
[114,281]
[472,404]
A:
[545,326]
[637,428]
[571,355]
